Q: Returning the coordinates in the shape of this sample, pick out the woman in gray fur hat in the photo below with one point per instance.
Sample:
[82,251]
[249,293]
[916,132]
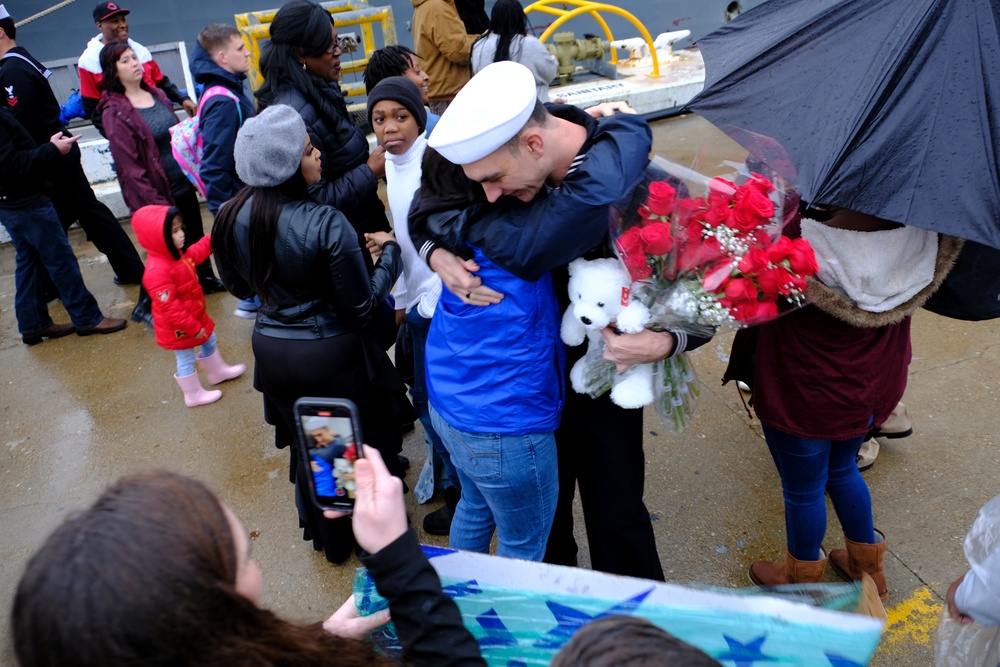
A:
[312,336]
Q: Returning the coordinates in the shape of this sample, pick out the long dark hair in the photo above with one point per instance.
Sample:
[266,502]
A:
[110,55]
[447,182]
[507,21]
[147,576]
[390,60]
[264,211]
[300,28]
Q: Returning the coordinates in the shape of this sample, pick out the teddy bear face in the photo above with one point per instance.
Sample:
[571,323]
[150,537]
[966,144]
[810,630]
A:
[598,291]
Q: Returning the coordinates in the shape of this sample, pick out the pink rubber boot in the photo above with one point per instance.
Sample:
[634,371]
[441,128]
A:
[194,393]
[217,370]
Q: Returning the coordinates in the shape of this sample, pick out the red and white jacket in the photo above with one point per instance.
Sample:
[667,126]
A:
[90,67]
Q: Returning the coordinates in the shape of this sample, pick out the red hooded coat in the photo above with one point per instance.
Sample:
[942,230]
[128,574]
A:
[178,301]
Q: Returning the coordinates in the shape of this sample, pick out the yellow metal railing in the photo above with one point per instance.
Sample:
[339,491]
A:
[581,7]
[256,27]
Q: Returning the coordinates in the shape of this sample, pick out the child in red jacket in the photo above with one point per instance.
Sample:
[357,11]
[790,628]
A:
[179,316]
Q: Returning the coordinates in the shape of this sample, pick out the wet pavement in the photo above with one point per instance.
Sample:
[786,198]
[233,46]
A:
[77,413]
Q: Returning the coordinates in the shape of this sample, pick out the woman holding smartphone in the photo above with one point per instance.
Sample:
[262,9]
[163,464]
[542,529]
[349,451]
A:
[170,537]
[312,336]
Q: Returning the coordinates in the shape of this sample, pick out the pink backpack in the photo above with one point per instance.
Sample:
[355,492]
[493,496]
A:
[186,142]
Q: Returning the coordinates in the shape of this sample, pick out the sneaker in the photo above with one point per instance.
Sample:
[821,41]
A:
[247,309]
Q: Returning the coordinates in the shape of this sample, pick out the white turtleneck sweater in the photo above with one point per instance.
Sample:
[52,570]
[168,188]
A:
[417,285]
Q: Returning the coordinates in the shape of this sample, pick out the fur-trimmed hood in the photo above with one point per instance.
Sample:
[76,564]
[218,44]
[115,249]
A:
[843,308]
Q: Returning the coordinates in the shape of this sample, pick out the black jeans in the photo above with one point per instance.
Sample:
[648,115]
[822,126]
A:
[599,445]
[75,201]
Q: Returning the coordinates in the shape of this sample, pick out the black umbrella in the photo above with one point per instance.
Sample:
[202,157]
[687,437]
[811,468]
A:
[889,107]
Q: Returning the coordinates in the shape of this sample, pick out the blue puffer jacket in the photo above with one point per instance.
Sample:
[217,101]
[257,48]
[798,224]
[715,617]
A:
[498,369]
[219,122]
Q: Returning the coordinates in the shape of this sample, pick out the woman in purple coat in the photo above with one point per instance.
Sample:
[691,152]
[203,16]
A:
[137,121]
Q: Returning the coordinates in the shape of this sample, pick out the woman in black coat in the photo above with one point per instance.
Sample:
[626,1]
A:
[301,68]
[313,335]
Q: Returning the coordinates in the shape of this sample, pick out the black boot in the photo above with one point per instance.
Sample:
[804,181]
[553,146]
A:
[143,311]
[206,278]
[438,522]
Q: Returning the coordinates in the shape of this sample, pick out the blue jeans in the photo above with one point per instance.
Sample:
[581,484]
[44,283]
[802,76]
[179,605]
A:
[510,483]
[41,246]
[807,467]
[440,473]
[185,358]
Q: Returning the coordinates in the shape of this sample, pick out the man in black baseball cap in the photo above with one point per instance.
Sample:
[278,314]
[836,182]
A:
[110,20]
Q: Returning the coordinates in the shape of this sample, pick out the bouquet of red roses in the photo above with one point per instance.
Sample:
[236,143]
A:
[715,259]
[706,252]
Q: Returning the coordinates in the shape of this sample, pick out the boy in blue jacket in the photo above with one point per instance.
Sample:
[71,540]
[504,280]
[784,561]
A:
[221,59]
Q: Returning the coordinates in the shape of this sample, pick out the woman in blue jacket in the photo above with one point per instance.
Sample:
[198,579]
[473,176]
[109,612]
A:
[494,382]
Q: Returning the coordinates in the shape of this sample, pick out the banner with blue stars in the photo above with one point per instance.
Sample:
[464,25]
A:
[523,613]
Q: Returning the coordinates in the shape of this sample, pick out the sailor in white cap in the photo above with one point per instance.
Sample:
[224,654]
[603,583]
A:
[312,423]
[568,168]
[498,109]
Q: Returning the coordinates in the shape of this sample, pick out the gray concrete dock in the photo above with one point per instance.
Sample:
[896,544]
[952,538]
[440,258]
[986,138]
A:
[77,413]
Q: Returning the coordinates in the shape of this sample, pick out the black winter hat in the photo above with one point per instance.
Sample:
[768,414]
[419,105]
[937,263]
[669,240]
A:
[402,90]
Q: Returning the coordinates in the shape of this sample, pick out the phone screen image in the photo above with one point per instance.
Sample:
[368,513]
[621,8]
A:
[332,450]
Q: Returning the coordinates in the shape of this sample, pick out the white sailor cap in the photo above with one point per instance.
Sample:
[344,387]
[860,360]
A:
[487,113]
[4,14]
[313,422]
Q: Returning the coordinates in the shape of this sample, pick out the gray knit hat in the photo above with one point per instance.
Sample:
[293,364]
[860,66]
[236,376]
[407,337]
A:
[269,146]
[402,90]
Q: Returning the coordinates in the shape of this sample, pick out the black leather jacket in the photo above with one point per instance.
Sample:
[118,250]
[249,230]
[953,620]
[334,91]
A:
[321,286]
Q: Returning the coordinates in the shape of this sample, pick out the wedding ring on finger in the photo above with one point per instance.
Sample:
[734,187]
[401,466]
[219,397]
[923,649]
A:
[468,295]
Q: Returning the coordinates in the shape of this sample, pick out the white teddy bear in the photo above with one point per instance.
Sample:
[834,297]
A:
[599,294]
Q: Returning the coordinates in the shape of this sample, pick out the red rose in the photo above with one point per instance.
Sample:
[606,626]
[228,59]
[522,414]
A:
[637,266]
[755,312]
[796,283]
[774,282]
[761,238]
[717,215]
[753,262]
[717,278]
[693,232]
[657,239]
[720,192]
[802,259]
[687,259]
[779,250]
[741,289]
[744,220]
[759,183]
[630,243]
[661,198]
[753,204]
[711,250]
[691,210]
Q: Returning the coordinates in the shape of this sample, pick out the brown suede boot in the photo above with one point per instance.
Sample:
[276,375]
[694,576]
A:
[861,558]
[793,571]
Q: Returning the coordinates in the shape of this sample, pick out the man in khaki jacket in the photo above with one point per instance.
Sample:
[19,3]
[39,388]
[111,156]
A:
[440,40]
